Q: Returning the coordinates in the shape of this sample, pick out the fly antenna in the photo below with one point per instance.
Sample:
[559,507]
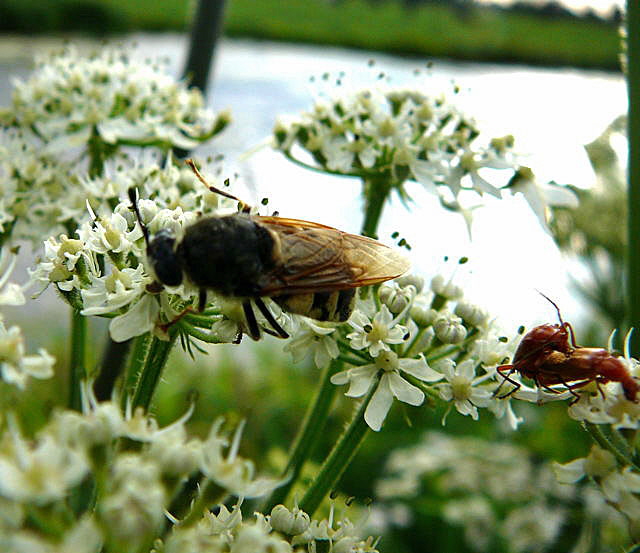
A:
[133,197]
[554,305]
[214,189]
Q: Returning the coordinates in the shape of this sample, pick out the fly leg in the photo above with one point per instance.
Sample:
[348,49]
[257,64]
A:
[281,332]
[252,323]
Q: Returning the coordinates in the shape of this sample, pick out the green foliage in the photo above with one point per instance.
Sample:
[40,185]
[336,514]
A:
[433,29]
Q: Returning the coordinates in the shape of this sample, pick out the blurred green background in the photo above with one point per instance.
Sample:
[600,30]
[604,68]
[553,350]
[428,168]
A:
[458,29]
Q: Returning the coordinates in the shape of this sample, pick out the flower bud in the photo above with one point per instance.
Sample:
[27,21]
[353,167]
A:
[471,314]
[450,330]
[288,522]
[393,297]
[411,280]
[423,316]
[445,289]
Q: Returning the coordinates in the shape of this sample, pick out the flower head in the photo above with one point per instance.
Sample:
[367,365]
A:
[390,384]
[377,333]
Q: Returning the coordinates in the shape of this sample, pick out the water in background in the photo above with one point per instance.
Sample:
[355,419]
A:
[551,112]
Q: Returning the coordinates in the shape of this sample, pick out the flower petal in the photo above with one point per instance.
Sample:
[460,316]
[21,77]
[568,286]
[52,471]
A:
[139,319]
[420,369]
[402,390]
[379,406]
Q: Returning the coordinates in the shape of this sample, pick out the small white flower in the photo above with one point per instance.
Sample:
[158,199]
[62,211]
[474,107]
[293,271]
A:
[235,474]
[109,293]
[10,293]
[390,385]
[39,472]
[256,538]
[534,527]
[461,387]
[541,196]
[139,319]
[375,335]
[110,235]
[492,350]
[60,260]
[98,424]
[314,339]
[133,507]
[15,366]
[600,463]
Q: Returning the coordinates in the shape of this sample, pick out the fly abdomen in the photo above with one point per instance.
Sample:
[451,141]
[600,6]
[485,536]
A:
[335,306]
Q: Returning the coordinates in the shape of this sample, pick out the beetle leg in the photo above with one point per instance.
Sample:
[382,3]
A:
[270,318]
[509,370]
[254,329]
[571,333]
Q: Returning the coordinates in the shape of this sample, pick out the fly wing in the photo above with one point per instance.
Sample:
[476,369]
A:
[318,258]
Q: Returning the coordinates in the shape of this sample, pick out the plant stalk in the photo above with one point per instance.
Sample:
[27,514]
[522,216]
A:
[376,193]
[633,211]
[78,369]
[309,434]
[113,361]
[338,460]
[154,363]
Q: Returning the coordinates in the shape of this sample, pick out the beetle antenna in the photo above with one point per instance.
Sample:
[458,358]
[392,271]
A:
[133,197]
[554,305]
[214,189]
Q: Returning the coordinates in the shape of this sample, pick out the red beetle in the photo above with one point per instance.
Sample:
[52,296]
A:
[549,355]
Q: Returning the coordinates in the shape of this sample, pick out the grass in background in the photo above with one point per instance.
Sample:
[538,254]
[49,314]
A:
[430,30]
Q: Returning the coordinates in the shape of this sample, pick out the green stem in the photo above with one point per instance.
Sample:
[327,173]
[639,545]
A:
[605,443]
[376,192]
[633,133]
[78,370]
[154,363]
[341,455]
[113,361]
[134,370]
[309,434]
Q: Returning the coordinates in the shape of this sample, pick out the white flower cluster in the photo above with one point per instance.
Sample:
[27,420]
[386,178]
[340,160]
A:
[15,365]
[403,133]
[395,135]
[283,531]
[619,485]
[72,97]
[76,114]
[493,490]
[140,470]
[103,272]
[406,342]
